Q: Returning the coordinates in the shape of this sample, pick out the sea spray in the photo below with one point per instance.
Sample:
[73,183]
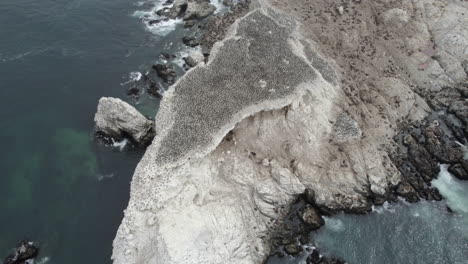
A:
[454,190]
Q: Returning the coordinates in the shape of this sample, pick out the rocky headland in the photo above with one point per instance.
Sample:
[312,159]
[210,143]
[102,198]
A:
[304,108]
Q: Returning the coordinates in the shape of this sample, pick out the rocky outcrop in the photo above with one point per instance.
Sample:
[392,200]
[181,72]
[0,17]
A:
[198,9]
[117,119]
[25,252]
[188,9]
[166,72]
[268,117]
[439,139]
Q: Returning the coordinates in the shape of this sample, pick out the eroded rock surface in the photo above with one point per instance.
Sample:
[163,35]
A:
[269,117]
[117,119]
[190,200]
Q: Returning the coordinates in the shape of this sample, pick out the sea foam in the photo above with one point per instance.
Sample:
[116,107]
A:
[454,190]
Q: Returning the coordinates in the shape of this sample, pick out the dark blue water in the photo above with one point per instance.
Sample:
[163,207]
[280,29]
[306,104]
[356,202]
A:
[57,186]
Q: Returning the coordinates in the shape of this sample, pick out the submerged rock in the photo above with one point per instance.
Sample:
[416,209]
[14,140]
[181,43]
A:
[316,258]
[117,119]
[24,252]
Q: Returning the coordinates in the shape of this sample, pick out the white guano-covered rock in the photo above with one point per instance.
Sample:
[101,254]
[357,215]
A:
[117,119]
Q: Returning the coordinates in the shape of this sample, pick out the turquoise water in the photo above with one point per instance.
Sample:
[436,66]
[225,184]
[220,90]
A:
[57,58]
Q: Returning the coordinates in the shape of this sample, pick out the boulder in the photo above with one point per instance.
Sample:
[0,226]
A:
[199,9]
[167,56]
[312,218]
[166,72]
[155,89]
[293,249]
[25,251]
[190,41]
[117,119]
[190,62]
[458,171]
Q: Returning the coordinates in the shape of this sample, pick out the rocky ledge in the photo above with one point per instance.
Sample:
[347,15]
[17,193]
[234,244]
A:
[24,253]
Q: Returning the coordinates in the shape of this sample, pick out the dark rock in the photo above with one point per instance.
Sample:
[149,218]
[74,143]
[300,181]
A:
[458,171]
[312,218]
[426,144]
[154,21]
[134,91]
[24,251]
[166,72]
[189,23]
[314,257]
[167,56]
[407,191]
[190,41]
[199,9]
[293,249]
[155,90]
[191,62]
[163,11]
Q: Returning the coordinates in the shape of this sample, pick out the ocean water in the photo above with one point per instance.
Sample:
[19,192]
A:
[58,187]
[425,233]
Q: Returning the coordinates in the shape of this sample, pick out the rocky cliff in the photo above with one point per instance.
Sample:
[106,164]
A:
[300,95]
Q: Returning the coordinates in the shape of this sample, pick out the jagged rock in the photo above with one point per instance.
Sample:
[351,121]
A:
[312,218]
[166,72]
[177,10]
[194,59]
[198,9]
[155,89]
[458,171]
[407,191]
[25,251]
[190,41]
[154,21]
[117,119]
[167,56]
